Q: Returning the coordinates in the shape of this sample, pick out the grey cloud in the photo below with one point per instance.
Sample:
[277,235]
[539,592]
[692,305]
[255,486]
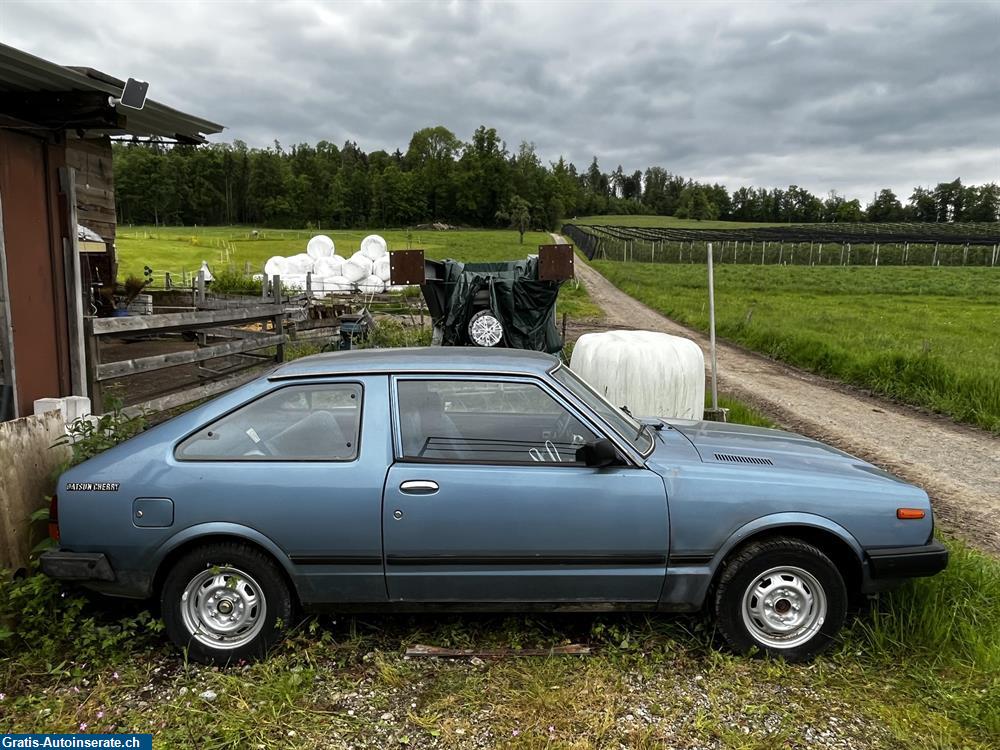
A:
[851,97]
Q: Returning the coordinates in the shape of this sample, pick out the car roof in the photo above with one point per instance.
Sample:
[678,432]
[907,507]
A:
[418,359]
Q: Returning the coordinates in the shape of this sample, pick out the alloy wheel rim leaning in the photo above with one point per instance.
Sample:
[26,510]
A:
[784,607]
[223,607]
[486,330]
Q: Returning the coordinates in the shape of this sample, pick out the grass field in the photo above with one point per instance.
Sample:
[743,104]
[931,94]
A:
[626,220]
[925,336]
[921,671]
[180,250]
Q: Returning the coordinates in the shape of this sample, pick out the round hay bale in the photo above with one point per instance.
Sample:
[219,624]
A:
[320,246]
[328,266]
[372,285]
[374,247]
[276,265]
[654,374]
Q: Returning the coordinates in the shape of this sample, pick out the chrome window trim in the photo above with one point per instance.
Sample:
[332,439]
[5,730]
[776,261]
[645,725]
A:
[584,417]
[174,453]
[635,451]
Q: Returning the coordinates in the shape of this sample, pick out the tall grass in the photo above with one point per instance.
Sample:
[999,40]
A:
[944,634]
[925,336]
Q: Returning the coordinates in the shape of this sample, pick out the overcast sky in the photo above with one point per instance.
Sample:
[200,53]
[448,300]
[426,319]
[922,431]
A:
[845,96]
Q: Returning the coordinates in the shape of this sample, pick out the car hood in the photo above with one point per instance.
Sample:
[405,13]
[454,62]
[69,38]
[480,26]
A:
[741,445]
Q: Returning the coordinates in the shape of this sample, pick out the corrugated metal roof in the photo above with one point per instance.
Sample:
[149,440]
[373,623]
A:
[20,71]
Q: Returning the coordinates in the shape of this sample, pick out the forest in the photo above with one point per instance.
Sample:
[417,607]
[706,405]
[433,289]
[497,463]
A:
[479,183]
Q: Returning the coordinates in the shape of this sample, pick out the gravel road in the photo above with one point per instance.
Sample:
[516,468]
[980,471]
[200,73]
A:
[959,466]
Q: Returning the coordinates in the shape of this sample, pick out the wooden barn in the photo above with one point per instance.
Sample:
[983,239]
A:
[56,178]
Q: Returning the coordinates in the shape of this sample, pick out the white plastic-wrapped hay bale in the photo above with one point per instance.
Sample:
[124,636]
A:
[654,374]
[338,284]
[381,268]
[374,247]
[320,246]
[295,281]
[276,265]
[302,263]
[328,266]
[356,270]
[371,285]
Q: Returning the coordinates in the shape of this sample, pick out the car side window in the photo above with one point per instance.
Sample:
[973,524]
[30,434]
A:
[485,421]
[297,423]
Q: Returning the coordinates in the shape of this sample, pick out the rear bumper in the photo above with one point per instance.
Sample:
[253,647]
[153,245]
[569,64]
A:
[76,566]
[907,562]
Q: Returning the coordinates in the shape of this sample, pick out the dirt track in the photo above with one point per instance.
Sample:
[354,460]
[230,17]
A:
[958,466]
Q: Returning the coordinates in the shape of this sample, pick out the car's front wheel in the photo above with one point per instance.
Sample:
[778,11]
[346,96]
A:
[781,596]
[225,602]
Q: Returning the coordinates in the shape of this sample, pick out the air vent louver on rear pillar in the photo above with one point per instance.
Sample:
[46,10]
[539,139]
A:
[743,459]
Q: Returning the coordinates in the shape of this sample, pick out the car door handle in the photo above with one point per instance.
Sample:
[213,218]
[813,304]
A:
[419,487]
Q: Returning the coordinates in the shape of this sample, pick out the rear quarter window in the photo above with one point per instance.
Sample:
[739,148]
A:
[295,423]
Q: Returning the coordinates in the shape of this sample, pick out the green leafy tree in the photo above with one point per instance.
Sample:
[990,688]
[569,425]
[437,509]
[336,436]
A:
[518,214]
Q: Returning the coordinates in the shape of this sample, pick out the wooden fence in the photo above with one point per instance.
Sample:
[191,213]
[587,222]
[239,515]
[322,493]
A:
[237,326]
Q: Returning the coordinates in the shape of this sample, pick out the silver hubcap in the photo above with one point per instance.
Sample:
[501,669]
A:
[486,331]
[784,607]
[223,607]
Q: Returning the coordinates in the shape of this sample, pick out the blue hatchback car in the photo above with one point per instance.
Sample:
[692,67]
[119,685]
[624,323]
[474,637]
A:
[478,479]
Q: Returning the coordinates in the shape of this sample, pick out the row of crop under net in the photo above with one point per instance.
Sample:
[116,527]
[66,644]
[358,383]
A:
[691,246]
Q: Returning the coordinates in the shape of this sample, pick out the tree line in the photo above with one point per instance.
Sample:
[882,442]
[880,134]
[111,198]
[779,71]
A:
[482,183]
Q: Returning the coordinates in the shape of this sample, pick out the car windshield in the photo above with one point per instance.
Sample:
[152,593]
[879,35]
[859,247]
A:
[620,422]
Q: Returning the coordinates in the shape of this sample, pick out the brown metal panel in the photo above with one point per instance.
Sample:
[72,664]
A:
[28,218]
[555,262]
[406,267]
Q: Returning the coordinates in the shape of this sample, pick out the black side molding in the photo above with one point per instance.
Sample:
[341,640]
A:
[908,562]
[625,559]
[336,560]
[76,566]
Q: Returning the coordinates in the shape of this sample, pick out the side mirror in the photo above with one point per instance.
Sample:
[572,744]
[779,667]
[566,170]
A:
[598,454]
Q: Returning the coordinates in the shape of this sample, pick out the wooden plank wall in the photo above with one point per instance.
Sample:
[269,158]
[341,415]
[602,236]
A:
[95,202]
[95,185]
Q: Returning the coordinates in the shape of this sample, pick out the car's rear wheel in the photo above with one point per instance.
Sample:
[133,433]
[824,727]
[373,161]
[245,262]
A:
[783,597]
[225,602]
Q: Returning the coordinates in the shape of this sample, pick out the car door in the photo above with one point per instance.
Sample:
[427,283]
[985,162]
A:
[486,503]
[303,464]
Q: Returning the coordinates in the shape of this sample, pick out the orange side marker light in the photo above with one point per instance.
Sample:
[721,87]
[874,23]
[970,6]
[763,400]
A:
[908,514]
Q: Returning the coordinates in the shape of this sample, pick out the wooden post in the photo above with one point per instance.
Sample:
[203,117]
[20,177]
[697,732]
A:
[781,251]
[820,254]
[965,253]
[74,286]
[279,328]
[167,281]
[94,387]
[9,372]
[876,254]
[906,253]
[276,288]
[309,285]
[934,259]
[200,289]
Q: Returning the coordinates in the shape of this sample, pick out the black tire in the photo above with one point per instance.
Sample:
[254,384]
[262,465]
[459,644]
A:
[257,585]
[746,619]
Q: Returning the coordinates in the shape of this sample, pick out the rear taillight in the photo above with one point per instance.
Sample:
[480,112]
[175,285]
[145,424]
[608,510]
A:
[54,518]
